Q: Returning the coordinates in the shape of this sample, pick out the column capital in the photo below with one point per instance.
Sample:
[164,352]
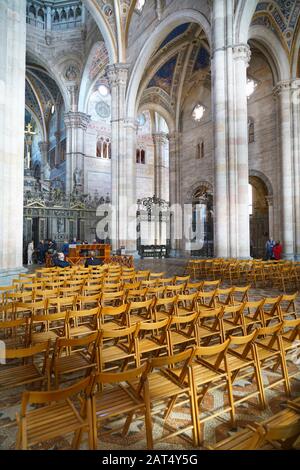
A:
[160,137]
[117,74]
[269,200]
[174,135]
[242,52]
[77,120]
[282,87]
[131,123]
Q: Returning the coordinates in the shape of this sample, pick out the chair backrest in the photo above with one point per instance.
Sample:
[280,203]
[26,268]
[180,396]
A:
[22,353]
[54,396]
[119,377]
[216,352]
[70,343]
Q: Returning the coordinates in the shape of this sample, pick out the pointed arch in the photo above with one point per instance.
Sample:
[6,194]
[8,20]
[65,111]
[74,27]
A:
[95,10]
[271,46]
[152,43]
[243,17]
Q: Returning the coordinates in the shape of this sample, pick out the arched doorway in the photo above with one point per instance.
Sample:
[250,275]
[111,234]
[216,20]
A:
[259,216]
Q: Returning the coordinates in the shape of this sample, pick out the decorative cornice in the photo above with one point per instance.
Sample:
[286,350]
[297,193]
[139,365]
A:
[281,87]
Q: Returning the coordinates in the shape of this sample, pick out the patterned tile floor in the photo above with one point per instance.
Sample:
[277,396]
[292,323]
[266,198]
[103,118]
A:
[213,430]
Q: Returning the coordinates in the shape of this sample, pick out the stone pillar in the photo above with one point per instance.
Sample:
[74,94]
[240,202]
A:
[229,79]
[76,126]
[161,188]
[283,93]
[44,149]
[12,105]
[219,111]
[241,56]
[175,193]
[123,179]
[48,21]
[296,161]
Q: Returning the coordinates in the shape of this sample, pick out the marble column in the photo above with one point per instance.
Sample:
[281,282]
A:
[219,111]
[176,228]
[76,125]
[161,186]
[283,94]
[123,178]
[296,160]
[241,57]
[12,106]
[44,149]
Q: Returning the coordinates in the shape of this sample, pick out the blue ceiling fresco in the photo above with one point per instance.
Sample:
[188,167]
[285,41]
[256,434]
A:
[284,14]
[164,76]
[173,34]
[202,60]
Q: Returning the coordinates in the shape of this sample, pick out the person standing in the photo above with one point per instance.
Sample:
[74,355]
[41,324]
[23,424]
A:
[269,248]
[277,250]
[30,250]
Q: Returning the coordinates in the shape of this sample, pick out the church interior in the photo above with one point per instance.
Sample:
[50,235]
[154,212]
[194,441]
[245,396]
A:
[150,224]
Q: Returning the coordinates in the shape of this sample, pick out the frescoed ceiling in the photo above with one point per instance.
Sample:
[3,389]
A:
[281,17]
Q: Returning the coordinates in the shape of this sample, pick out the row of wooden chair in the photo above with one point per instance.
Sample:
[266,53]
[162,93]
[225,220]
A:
[170,381]
[278,274]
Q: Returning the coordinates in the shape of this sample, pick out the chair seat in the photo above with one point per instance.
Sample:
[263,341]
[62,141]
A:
[149,344]
[180,337]
[50,421]
[44,336]
[75,361]
[236,363]
[81,330]
[18,375]
[113,353]
[113,402]
[161,387]
[203,375]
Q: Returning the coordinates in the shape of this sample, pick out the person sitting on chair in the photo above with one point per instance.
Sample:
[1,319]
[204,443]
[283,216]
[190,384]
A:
[60,261]
[92,261]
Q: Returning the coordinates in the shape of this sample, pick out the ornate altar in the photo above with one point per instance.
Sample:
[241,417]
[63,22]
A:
[79,253]
[49,213]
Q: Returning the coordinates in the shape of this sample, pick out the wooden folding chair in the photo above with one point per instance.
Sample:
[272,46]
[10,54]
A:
[116,394]
[82,322]
[23,366]
[139,311]
[163,308]
[243,364]
[269,351]
[288,306]
[182,332]
[47,328]
[151,339]
[170,384]
[117,348]
[15,333]
[74,355]
[186,304]
[210,328]
[57,417]
[210,371]
[113,317]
